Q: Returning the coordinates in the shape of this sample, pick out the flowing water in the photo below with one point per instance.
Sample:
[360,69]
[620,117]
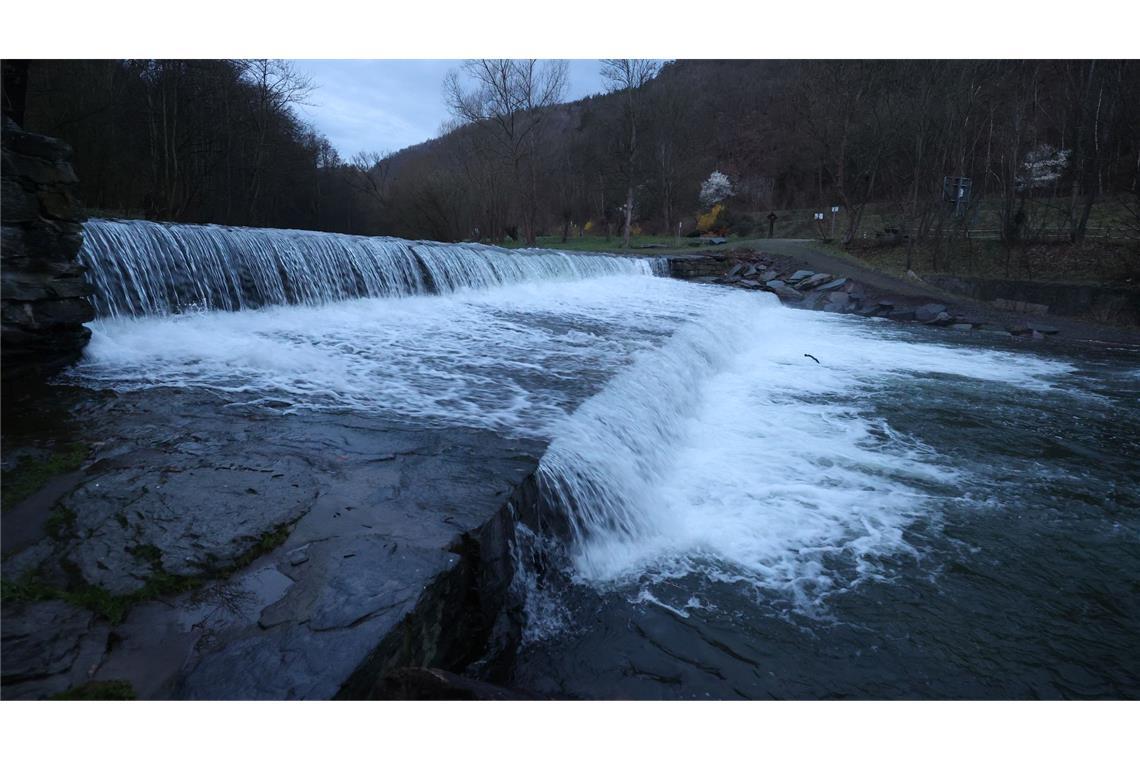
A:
[914,514]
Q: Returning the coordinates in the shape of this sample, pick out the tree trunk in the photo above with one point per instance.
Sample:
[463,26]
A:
[628,213]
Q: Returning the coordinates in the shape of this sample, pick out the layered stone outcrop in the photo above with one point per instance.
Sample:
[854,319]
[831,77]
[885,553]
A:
[44,295]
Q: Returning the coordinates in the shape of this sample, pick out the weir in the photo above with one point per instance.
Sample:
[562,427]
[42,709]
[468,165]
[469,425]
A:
[141,268]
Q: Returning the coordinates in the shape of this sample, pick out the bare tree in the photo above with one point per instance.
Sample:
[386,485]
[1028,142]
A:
[368,174]
[511,99]
[627,76]
[278,86]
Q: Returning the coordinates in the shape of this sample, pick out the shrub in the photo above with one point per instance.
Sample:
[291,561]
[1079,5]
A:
[711,219]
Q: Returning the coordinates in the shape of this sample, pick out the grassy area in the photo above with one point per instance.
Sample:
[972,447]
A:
[1109,219]
[600,243]
[1091,262]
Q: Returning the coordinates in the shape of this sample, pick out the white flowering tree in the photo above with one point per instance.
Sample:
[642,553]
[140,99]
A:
[715,189]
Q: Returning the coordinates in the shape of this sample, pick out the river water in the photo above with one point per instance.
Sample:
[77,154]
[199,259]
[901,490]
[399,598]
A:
[906,512]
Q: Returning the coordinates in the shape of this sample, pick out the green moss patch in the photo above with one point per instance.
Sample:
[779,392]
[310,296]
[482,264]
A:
[113,607]
[31,473]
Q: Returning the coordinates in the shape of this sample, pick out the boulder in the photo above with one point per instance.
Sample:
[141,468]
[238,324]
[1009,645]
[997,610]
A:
[814,281]
[783,290]
[942,319]
[800,274]
[837,302]
[929,312]
[814,300]
[835,284]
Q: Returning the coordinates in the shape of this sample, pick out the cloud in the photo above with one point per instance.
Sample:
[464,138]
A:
[387,105]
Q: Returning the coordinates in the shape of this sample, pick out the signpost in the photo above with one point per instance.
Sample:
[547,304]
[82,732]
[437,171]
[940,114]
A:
[772,223]
[834,213]
[819,216]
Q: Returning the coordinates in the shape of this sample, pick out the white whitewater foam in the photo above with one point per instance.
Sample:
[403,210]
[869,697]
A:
[728,452]
[688,431]
[512,359]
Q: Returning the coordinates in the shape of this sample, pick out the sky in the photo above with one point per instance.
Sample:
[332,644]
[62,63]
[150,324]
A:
[391,104]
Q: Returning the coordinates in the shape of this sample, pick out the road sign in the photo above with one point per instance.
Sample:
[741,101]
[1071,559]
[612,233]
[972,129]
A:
[835,209]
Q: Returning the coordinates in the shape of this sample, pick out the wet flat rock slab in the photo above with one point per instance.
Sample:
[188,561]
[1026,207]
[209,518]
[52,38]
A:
[217,551]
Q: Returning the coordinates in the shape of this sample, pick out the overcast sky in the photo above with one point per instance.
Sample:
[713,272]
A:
[388,105]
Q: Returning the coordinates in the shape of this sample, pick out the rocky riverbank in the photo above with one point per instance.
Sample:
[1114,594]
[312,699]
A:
[808,282]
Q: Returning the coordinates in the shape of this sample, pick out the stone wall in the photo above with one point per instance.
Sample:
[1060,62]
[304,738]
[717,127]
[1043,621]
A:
[695,266]
[1119,306]
[44,296]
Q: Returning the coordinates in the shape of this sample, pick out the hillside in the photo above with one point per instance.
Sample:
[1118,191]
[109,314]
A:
[1049,150]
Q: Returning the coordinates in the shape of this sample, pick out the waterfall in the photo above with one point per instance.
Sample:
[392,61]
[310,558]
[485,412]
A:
[725,452]
[143,268]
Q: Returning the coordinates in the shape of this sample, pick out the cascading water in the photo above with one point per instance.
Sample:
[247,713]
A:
[721,493]
[727,452]
[145,268]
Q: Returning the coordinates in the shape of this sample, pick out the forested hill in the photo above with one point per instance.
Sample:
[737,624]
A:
[218,141]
